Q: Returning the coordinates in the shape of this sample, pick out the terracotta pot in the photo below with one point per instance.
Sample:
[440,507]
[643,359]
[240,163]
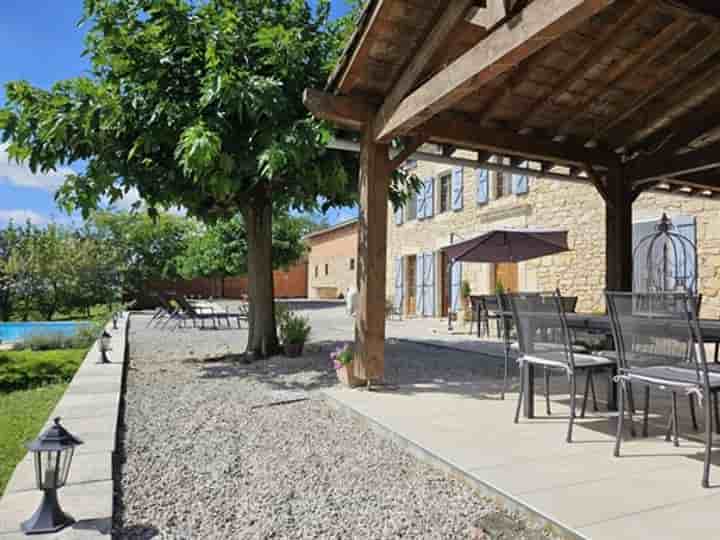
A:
[293,350]
[347,377]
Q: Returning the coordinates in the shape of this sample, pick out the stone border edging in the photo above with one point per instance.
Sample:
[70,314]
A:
[89,408]
[502,498]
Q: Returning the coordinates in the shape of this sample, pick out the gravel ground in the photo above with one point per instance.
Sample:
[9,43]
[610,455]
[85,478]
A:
[209,454]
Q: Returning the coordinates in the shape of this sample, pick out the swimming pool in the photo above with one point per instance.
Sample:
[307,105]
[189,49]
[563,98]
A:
[20,331]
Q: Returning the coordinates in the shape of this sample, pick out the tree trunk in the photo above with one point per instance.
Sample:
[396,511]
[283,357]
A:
[262,334]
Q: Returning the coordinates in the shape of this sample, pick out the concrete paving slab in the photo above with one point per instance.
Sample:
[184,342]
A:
[92,501]
[90,467]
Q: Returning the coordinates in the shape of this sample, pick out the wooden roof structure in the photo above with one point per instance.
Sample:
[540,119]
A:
[622,93]
[590,84]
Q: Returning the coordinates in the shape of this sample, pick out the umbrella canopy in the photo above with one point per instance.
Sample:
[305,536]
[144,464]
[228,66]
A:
[509,245]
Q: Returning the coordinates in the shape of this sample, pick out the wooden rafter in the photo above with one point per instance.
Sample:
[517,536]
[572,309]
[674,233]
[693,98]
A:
[604,43]
[681,132]
[644,55]
[488,16]
[341,110]
[450,128]
[651,168]
[689,95]
[438,37]
[666,79]
[539,24]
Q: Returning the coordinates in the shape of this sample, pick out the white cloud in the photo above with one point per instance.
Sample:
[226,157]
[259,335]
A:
[21,216]
[19,174]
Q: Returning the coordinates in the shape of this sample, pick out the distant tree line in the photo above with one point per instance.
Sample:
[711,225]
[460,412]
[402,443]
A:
[53,269]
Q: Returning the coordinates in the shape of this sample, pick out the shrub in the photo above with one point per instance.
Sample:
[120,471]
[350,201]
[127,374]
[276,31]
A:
[84,337]
[294,328]
[20,370]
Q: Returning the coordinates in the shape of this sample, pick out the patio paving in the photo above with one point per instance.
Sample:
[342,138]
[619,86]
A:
[455,419]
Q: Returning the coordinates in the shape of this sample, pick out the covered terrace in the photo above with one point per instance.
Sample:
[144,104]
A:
[623,95]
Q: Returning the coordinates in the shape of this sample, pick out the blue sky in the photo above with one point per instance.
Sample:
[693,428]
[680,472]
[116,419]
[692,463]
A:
[41,43]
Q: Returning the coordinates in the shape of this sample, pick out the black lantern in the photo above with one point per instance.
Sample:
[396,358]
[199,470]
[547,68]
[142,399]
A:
[53,453]
[115,320]
[104,347]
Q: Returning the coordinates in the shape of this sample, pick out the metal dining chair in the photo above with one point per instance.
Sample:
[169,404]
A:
[544,339]
[655,336]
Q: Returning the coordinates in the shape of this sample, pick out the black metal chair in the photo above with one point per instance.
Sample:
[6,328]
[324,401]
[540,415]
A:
[544,339]
[660,345]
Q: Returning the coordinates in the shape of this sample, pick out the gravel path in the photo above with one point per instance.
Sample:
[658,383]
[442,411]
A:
[207,456]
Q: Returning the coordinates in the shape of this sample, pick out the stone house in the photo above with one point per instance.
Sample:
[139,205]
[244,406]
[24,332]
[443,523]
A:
[332,260]
[459,203]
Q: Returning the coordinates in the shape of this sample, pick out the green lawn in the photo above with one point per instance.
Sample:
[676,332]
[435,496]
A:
[23,414]
[31,383]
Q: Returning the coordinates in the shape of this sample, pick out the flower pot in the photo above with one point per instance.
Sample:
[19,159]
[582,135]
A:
[293,350]
[347,377]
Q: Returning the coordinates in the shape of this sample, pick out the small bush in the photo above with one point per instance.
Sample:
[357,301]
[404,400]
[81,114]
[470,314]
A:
[84,337]
[21,370]
[294,329]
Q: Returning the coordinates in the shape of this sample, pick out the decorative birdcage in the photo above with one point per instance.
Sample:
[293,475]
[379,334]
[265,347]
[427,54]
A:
[665,261]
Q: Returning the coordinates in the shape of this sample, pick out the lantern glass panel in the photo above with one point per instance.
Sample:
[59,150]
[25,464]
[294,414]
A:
[66,460]
[49,469]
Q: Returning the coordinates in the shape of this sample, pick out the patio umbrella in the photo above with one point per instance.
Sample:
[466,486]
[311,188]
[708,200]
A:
[509,245]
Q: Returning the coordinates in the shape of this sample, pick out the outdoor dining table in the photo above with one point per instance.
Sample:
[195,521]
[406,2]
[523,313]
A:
[600,324]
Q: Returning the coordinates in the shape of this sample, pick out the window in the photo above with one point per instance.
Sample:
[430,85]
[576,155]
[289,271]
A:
[352,264]
[326,270]
[445,193]
[411,207]
[502,185]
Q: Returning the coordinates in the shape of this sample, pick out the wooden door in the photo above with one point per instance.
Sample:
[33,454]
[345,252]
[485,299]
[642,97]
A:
[410,279]
[507,274]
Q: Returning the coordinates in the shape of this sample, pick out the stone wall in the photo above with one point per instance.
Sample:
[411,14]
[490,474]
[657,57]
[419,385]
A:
[551,204]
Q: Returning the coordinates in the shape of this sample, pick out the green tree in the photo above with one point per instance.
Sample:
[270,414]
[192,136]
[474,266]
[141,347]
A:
[195,104]
[221,249]
[140,247]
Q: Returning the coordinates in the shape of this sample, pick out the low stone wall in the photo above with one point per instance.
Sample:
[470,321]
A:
[90,410]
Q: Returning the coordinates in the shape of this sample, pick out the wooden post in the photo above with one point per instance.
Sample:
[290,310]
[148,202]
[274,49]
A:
[375,169]
[618,230]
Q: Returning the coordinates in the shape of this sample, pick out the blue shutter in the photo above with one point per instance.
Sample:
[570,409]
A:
[399,284]
[429,200]
[520,181]
[420,198]
[455,286]
[641,278]
[457,188]
[399,216]
[419,288]
[429,285]
[686,262]
[482,177]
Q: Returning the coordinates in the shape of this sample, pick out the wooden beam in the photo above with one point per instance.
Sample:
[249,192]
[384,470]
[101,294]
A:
[341,110]
[459,131]
[692,94]
[680,133]
[586,61]
[647,53]
[651,168]
[359,46]
[536,26]
[411,145]
[369,361]
[667,77]
[618,234]
[438,37]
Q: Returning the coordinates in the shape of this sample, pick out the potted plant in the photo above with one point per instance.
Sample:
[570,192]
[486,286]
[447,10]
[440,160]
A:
[342,359]
[294,332]
[465,292]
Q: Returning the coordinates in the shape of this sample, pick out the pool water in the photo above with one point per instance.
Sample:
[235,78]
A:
[20,331]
